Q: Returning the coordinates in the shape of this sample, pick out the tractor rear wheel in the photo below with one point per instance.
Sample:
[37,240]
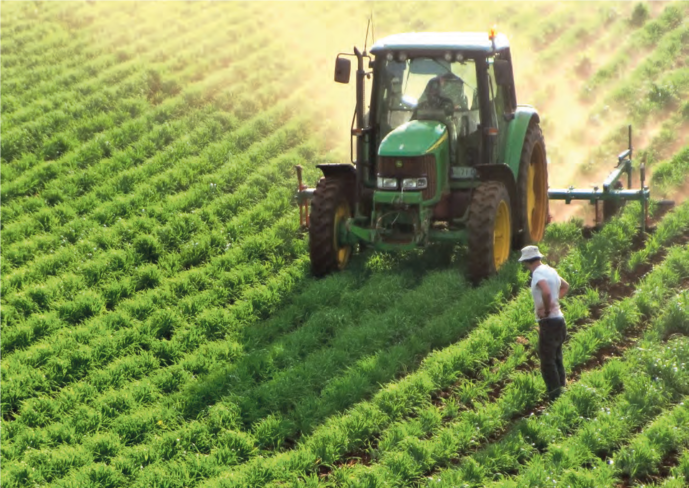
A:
[490,230]
[330,208]
[532,189]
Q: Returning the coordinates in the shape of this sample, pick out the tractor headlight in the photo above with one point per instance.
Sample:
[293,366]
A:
[386,183]
[414,183]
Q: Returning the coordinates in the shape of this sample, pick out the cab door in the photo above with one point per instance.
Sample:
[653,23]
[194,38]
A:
[498,108]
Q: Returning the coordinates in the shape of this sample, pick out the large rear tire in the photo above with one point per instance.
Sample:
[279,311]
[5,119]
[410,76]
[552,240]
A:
[532,189]
[330,208]
[490,230]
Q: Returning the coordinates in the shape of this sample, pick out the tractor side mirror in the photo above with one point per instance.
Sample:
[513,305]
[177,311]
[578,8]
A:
[343,69]
[503,72]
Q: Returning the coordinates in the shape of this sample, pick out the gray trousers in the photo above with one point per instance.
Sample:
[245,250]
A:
[551,336]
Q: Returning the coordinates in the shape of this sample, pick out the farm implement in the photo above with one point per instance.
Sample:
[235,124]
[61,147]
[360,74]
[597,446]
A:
[612,196]
[444,154]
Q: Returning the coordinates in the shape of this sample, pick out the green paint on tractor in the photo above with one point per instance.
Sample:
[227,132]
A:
[413,138]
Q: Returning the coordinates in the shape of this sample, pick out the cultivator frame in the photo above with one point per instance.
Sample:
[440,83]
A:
[612,191]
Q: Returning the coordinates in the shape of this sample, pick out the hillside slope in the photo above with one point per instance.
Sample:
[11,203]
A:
[159,323]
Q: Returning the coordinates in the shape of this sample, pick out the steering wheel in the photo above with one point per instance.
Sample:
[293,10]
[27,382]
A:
[440,103]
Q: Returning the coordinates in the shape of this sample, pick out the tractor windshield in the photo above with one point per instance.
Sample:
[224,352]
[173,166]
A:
[428,88]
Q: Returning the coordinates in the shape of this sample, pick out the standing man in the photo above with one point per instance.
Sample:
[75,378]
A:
[547,288]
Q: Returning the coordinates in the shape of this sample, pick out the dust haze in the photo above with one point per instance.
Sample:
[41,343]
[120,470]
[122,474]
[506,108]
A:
[573,128]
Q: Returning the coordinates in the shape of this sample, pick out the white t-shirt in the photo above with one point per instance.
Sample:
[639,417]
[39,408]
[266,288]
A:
[545,272]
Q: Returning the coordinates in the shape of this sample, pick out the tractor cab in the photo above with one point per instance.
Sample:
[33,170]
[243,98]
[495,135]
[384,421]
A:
[462,80]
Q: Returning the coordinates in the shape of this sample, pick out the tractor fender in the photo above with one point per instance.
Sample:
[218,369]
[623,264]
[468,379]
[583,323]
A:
[342,171]
[503,174]
[516,133]
[337,170]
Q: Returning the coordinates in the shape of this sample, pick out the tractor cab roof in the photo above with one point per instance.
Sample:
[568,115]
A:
[440,41]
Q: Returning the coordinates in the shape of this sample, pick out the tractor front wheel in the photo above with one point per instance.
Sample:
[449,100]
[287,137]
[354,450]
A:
[330,209]
[490,230]
[532,189]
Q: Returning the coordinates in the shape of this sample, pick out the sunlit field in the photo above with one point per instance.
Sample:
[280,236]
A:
[160,324]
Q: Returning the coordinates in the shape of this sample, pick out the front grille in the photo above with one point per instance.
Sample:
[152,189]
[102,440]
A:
[410,167]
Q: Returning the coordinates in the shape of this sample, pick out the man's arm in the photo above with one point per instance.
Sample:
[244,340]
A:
[547,297]
[564,288]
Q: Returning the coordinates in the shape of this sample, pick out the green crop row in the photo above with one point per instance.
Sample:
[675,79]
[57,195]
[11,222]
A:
[623,315]
[669,175]
[576,309]
[86,110]
[162,451]
[243,252]
[653,293]
[654,32]
[642,456]
[89,153]
[125,287]
[671,227]
[644,395]
[133,62]
[135,41]
[403,456]
[149,207]
[646,90]
[600,430]
[192,329]
[317,300]
[87,420]
[101,147]
[59,53]
[673,132]
[343,434]
[678,476]
[84,191]
[173,170]
[319,386]
[177,236]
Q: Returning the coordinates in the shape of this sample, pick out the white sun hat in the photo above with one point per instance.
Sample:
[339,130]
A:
[530,252]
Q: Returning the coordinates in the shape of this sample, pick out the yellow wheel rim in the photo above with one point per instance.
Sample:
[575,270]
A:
[502,235]
[536,195]
[342,213]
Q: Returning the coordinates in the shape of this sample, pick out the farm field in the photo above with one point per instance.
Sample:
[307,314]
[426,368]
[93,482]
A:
[160,326]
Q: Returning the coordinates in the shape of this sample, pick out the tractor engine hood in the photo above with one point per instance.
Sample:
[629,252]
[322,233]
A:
[414,138]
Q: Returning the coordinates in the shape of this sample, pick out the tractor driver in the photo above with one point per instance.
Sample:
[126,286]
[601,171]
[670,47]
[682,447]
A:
[433,98]
[445,92]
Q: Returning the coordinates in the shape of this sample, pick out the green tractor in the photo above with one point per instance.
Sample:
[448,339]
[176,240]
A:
[444,154]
